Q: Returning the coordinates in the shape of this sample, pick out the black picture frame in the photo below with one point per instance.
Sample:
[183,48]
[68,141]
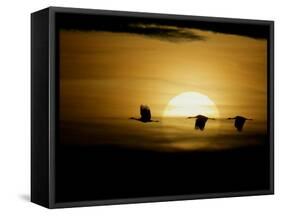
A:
[44,99]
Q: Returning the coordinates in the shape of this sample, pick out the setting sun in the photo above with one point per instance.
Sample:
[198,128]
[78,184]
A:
[191,104]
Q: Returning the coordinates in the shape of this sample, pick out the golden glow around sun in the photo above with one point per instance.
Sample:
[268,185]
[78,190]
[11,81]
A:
[191,104]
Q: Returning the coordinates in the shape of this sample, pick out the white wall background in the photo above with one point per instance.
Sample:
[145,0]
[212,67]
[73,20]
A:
[15,107]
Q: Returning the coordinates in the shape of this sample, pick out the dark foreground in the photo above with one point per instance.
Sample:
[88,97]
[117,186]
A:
[106,172]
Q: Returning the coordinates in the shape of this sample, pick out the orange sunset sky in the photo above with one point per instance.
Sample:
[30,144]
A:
[106,74]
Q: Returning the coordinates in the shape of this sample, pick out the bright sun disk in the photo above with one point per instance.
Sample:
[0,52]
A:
[191,104]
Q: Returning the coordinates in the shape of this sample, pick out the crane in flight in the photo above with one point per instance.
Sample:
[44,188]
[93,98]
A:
[145,115]
[239,122]
[200,121]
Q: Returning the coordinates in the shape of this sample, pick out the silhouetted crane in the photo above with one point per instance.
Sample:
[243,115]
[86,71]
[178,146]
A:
[200,121]
[145,115]
[239,122]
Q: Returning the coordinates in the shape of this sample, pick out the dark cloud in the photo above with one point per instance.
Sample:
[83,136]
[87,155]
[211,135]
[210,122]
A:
[115,131]
[160,32]
[164,32]
[172,29]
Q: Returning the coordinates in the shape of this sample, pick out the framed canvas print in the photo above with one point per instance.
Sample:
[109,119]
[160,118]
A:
[139,107]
